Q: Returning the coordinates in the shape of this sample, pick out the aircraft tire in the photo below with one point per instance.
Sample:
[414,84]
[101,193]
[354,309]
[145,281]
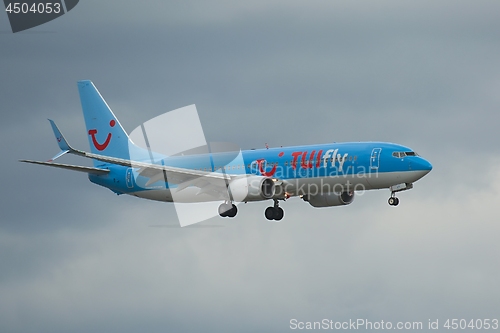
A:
[225,210]
[393,201]
[269,213]
[278,213]
[232,212]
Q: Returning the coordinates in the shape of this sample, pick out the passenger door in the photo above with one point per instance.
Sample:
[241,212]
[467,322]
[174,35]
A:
[375,159]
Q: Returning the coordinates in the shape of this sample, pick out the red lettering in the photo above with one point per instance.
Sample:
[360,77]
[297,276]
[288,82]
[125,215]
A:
[309,163]
[318,158]
[311,158]
[303,162]
[295,155]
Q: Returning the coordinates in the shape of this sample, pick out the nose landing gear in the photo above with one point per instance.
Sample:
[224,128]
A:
[275,212]
[393,201]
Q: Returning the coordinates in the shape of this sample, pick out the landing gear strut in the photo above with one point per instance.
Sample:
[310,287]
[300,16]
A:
[228,210]
[275,212]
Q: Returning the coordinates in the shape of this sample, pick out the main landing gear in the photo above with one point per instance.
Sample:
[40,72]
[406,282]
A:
[228,210]
[274,213]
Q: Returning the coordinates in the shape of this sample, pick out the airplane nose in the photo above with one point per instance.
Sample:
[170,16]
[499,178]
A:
[424,165]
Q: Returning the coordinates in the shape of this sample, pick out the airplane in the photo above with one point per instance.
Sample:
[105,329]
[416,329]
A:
[324,175]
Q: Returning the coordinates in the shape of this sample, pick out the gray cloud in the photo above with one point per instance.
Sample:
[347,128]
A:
[76,257]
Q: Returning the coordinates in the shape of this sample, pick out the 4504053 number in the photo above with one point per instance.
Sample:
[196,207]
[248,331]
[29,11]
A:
[36,8]
[478,324]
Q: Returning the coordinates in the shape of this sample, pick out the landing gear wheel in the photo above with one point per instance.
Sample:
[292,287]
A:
[278,213]
[232,212]
[274,213]
[227,210]
[269,213]
[393,201]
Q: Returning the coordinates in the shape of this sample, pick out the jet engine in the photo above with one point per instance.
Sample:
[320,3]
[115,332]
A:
[329,199]
[252,188]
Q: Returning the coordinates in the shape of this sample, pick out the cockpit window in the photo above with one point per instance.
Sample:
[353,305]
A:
[401,154]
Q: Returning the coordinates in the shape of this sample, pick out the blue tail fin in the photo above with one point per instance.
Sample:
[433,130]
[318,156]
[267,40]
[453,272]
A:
[105,133]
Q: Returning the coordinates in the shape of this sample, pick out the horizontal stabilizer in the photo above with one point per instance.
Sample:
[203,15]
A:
[95,171]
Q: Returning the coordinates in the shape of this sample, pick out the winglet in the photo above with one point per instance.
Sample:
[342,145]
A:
[61,141]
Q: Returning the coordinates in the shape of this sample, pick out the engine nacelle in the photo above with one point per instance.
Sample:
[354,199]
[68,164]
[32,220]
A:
[329,199]
[252,188]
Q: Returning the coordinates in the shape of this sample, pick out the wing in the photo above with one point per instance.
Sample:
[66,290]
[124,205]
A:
[95,171]
[155,172]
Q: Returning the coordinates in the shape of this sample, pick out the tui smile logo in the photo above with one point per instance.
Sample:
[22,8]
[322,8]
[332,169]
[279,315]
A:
[101,146]
[26,14]
[263,171]
[261,164]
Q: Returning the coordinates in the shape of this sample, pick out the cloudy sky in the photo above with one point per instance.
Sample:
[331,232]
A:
[74,257]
